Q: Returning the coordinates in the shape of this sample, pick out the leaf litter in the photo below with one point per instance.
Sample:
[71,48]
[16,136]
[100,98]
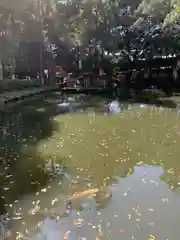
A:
[126,160]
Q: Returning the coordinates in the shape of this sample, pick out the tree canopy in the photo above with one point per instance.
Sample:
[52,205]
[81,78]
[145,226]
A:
[125,29]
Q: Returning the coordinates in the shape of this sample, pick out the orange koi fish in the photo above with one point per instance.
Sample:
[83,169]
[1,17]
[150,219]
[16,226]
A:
[84,193]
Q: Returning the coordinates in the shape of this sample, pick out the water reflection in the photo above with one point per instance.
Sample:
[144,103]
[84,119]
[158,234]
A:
[132,158]
[21,168]
[141,205]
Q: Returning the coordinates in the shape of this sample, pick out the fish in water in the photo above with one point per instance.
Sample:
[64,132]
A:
[36,209]
[80,195]
[85,193]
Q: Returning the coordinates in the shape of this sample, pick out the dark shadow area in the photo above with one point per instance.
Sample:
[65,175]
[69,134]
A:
[21,166]
[150,96]
[153,100]
[172,178]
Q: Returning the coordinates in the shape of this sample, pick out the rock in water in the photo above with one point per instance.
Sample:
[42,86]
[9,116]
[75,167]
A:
[114,107]
[64,104]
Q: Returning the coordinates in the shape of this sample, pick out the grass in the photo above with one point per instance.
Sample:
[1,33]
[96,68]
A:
[100,147]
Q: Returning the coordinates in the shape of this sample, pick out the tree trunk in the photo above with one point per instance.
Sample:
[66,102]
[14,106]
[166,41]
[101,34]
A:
[1,69]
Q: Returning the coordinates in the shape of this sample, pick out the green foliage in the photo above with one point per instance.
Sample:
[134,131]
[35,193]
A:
[135,30]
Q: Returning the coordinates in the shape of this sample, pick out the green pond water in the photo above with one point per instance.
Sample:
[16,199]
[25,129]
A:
[134,157]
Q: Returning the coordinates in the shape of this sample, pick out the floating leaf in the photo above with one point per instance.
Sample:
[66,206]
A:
[151,237]
[78,222]
[151,209]
[34,210]
[140,163]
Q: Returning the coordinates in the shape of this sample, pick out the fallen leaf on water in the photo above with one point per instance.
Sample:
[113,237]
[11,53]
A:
[16,218]
[151,209]
[130,171]
[78,214]
[138,214]
[137,225]
[78,222]
[143,180]
[151,237]
[19,236]
[54,201]
[171,171]
[65,237]
[108,224]
[164,199]
[101,233]
[137,211]
[40,224]
[34,210]
[18,213]
[151,223]
[140,163]
[44,190]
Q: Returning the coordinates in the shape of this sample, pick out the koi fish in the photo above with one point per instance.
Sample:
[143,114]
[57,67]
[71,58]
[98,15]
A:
[84,193]
[130,171]
[75,196]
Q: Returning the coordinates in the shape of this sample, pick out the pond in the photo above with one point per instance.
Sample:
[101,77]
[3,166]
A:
[124,169]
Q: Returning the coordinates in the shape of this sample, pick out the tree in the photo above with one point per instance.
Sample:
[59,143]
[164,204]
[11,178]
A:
[135,30]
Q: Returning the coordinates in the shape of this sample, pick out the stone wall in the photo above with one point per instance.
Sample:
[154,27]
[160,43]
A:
[9,85]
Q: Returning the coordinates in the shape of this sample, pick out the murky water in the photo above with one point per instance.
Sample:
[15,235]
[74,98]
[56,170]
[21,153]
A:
[132,158]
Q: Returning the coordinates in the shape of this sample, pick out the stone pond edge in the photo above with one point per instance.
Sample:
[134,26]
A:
[15,96]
